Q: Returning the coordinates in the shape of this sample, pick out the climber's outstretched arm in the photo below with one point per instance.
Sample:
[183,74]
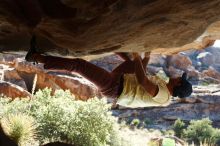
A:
[128,65]
[146,59]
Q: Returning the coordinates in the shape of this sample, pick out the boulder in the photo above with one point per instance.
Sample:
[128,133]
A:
[79,87]
[179,61]
[9,74]
[202,59]
[192,73]
[12,76]
[82,27]
[208,80]
[35,77]
[173,72]
[206,58]
[10,57]
[211,72]
[11,90]
[157,60]
[215,51]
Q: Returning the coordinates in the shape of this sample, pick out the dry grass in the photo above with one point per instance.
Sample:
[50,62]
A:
[21,128]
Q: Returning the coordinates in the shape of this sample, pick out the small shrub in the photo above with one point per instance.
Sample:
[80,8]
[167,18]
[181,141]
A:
[178,128]
[20,128]
[216,136]
[168,142]
[135,122]
[201,131]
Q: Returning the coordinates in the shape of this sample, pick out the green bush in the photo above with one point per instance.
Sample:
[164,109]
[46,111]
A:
[178,128]
[135,122]
[201,131]
[168,142]
[20,128]
[61,118]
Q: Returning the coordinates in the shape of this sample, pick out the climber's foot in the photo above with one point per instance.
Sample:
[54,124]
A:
[32,51]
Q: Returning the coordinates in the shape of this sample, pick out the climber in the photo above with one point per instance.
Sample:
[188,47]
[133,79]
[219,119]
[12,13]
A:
[128,83]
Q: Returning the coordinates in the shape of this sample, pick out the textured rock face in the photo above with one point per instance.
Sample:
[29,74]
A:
[22,75]
[81,88]
[12,90]
[81,27]
[211,72]
[12,76]
[179,61]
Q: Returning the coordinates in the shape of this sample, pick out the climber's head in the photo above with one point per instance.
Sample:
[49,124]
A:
[183,88]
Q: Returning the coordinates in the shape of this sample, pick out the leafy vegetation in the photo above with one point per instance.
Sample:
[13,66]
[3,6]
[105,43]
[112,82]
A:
[201,131]
[58,117]
[168,142]
[135,122]
[178,128]
[61,118]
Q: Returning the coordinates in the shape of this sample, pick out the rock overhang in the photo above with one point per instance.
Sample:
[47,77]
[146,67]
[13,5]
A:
[78,28]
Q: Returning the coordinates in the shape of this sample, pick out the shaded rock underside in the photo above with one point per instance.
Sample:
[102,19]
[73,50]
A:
[81,27]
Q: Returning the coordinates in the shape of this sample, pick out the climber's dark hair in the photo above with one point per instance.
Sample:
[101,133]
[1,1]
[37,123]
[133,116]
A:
[183,90]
